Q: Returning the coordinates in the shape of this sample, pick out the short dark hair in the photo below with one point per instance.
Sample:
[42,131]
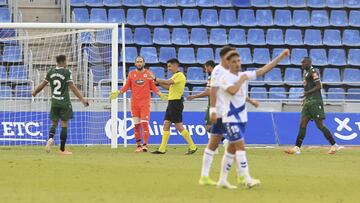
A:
[140,57]
[60,59]
[232,55]
[173,61]
[226,50]
[210,63]
[307,58]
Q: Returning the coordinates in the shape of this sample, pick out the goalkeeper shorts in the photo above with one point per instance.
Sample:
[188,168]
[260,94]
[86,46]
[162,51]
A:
[141,111]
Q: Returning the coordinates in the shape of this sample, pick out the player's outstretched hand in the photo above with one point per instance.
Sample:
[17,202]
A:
[33,93]
[213,118]
[190,98]
[255,103]
[163,96]
[285,53]
[113,95]
[85,102]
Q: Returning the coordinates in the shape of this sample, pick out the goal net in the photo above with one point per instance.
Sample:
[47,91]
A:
[28,51]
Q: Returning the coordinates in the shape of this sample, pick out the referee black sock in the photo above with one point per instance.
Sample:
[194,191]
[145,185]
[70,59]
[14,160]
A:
[63,137]
[52,131]
[300,137]
[327,135]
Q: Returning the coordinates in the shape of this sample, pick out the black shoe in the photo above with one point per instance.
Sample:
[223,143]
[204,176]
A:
[190,152]
[157,152]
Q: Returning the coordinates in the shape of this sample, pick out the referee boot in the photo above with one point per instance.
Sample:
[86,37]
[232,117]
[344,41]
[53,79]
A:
[191,151]
[158,152]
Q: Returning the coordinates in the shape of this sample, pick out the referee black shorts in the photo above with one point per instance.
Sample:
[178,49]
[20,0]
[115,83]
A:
[174,111]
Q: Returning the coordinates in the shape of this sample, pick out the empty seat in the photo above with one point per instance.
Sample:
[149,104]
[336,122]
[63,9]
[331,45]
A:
[335,3]
[87,37]
[245,55]
[297,55]
[23,91]
[354,18]
[246,17]
[353,93]
[205,3]
[98,15]
[162,36]
[199,36]
[135,17]
[195,75]
[204,54]
[332,38]
[313,37]
[353,57]
[116,16]
[150,3]
[261,56]
[218,36]
[277,93]
[352,75]
[17,73]
[172,17]
[256,37]
[131,54]
[209,17]
[103,36]
[242,3]
[223,3]
[12,54]
[149,54]
[80,15]
[331,76]
[293,76]
[278,3]
[131,3]
[77,3]
[94,54]
[168,3]
[264,18]
[142,36]
[276,52]
[336,93]
[154,17]
[316,3]
[351,38]
[5,91]
[282,18]
[196,90]
[128,36]
[318,57]
[112,3]
[293,37]
[274,37]
[103,92]
[99,73]
[94,3]
[159,72]
[186,3]
[227,17]
[191,17]
[352,3]
[258,93]
[295,93]
[260,3]
[180,36]
[337,57]
[338,18]
[297,3]
[237,36]
[3,73]
[186,55]
[301,18]
[319,18]
[274,77]
[166,53]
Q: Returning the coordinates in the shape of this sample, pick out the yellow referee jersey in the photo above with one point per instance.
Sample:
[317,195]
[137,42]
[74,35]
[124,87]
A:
[177,90]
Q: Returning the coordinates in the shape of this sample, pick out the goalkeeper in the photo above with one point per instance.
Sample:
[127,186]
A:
[141,85]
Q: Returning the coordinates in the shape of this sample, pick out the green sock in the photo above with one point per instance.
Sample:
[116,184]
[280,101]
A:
[300,137]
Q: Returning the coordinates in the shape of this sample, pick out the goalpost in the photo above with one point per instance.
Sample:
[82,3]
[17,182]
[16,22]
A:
[28,50]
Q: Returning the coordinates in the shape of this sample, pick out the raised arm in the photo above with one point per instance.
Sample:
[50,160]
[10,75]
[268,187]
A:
[39,88]
[205,93]
[77,93]
[268,67]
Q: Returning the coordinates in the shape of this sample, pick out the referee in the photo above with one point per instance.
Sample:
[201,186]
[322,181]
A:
[175,85]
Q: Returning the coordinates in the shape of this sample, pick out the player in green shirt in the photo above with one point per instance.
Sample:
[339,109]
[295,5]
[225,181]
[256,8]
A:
[60,80]
[313,108]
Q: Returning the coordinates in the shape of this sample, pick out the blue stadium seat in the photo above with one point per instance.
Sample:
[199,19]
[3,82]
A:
[351,38]
[296,92]
[274,77]
[336,93]
[353,57]
[293,76]
[217,55]
[256,37]
[17,72]
[112,3]
[335,3]
[131,68]
[264,18]
[149,54]
[116,16]
[196,90]
[195,75]
[159,72]
[258,93]
[87,37]
[128,36]
[237,36]
[317,3]
[199,36]
[242,3]
[132,3]
[186,55]
[278,93]
[131,54]
[142,36]
[99,73]
[260,3]
[94,3]
[223,3]
[227,17]
[135,16]
[338,18]
[166,53]
[318,57]
[150,3]
[186,3]
[204,54]
[107,54]
[354,18]
[337,57]
[23,91]
[205,3]
[293,37]
[352,75]
[282,18]
[103,36]
[301,18]
[297,55]
[209,17]
[12,54]
[5,91]
[276,52]
[278,3]
[7,33]
[162,36]
[352,3]
[218,36]
[332,38]
[172,17]
[353,93]
[154,17]
[80,15]
[186,92]
[261,56]
[319,18]
[103,91]
[168,3]
[313,37]
[3,73]
[98,15]
[180,36]
[246,17]
[191,17]
[274,37]
[94,54]
[331,76]
[245,55]
[77,3]
[297,3]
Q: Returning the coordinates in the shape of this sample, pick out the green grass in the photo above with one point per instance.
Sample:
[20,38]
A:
[101,174]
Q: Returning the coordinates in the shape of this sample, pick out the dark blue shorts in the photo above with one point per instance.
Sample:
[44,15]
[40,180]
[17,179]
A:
[235,131]
[218,128]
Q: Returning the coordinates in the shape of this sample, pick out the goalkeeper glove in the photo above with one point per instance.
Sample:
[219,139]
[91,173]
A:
[163,96]
[113,95]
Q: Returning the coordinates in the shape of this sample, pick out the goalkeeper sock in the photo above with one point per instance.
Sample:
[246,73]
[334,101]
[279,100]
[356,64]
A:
[164,141]
[327,135]
[187,137]
[52,131]
[207,161]
[300,137]
[137,134]
[63,137]
[242,165]
[226,166]
[145,131]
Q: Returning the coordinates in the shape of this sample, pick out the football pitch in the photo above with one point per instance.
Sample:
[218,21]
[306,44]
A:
[101,174]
